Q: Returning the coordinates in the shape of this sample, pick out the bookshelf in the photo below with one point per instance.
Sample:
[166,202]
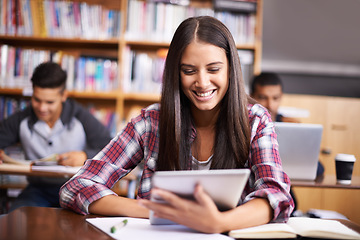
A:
[123,40]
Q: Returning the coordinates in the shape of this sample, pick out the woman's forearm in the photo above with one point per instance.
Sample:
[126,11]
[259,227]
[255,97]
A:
[255,212]
[112,205]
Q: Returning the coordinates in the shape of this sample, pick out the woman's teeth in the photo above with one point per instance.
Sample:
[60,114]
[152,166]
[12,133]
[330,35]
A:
[204,94]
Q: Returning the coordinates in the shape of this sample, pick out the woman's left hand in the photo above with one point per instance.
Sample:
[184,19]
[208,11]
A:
[75,158]
[201,214]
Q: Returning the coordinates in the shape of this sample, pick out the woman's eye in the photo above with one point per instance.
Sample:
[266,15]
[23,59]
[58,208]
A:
[213,70]
[188,71]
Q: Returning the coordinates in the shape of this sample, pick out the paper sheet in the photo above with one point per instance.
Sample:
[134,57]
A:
[138,228]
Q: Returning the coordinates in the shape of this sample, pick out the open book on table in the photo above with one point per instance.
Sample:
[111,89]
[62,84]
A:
[46,161]
[299,226]
[47,164]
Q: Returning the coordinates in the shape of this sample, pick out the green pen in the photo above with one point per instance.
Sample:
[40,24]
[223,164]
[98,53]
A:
[116,227]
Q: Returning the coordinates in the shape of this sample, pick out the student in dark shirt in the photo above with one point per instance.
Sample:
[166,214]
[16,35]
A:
[267,89]
[52,124]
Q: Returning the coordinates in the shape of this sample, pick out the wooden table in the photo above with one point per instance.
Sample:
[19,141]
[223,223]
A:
[325,194]
[129,190]
[327,181]
[27,223]
[47,223]
[6,168]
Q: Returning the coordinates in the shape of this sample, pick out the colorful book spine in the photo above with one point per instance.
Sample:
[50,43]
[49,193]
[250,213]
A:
[158,21]
[60,19]
[143,71]
[84,73]
[9,106]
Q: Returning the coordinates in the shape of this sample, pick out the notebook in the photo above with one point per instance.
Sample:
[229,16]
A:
[299,148]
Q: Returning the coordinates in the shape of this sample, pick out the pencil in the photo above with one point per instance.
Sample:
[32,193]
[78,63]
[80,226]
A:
[116,227]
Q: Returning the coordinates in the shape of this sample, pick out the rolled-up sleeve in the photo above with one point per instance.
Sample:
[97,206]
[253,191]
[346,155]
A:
[267,180]
[98,175]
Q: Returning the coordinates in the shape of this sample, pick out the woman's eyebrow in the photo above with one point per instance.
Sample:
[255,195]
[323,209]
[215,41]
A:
[214,63]
[209,64]
[186,65]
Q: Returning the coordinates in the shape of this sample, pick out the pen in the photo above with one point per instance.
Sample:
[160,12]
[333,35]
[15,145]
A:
[116,227]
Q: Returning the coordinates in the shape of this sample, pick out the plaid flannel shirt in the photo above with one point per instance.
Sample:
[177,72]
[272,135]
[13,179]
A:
[139,141]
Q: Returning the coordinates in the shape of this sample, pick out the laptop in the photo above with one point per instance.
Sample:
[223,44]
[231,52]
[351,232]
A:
[299,148]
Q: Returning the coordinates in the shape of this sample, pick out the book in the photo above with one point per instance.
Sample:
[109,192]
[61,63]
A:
[47,164]
[56,168]
[50,160]
[298,226]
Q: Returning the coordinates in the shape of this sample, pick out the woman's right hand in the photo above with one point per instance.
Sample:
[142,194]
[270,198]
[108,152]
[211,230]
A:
[1,156]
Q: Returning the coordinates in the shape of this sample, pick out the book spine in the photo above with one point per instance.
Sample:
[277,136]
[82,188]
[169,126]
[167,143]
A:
[4,60]
[35,18]
[159,20]
[42,20]
[27,17]
[3,17]
[141,65]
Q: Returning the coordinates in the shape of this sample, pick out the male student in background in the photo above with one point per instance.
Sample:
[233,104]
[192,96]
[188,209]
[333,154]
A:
[267,89]
[52,124]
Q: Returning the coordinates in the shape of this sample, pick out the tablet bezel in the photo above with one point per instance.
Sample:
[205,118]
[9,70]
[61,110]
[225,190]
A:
[224,186]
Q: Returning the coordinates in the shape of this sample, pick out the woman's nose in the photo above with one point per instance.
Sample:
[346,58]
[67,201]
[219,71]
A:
[202,80]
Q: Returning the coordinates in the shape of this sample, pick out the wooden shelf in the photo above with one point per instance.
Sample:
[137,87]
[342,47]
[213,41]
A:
[142,97]
[49,41]
[113,95]
[11,91]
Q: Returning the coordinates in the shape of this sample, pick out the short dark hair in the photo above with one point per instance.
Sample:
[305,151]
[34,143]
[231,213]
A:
[49,75]
[266,79]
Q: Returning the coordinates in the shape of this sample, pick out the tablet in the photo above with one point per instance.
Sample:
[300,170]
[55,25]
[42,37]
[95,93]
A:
[224,186]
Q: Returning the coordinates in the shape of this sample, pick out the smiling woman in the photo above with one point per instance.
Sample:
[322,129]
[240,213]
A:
[205,121]
[204,75]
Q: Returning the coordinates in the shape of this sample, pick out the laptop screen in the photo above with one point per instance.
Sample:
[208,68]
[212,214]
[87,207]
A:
[299,148]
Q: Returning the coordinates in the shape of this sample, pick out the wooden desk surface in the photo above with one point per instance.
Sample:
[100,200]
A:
[327,181]
[26,170]
[56,223]
[47,223]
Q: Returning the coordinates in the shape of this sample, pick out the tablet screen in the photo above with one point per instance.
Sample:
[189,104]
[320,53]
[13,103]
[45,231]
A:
[224,186]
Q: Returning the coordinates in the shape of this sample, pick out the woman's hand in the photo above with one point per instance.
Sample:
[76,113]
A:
[75,158]
[201,214]
[1,153]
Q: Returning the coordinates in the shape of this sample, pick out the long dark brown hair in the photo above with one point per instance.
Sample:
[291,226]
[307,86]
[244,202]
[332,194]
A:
[232,141]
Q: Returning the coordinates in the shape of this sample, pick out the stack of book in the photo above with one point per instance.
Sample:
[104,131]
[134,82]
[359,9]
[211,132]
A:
[158,21]
[83,73]
[143,71]
[247,67]
[61,19]
[8,106]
